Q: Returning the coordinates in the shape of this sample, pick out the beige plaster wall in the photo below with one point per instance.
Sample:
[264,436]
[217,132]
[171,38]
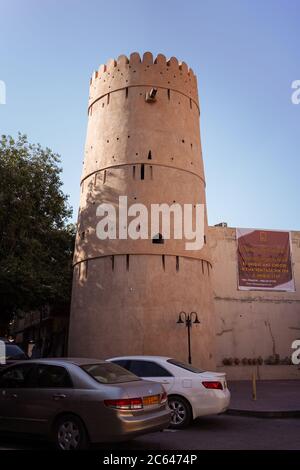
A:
[250,324]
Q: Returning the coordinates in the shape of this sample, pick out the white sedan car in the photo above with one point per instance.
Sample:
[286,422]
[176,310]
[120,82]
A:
[192,392]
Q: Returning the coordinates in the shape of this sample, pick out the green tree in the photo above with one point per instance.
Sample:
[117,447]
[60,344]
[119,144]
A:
[36,241]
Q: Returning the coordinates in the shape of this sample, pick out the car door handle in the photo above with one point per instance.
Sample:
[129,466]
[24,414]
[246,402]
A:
[59,396]
[165,382]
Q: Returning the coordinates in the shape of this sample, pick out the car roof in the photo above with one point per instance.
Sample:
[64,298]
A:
[143,358]
[79,361]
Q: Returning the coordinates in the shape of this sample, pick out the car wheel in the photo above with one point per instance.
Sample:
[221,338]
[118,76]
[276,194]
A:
[181,413]
[70,433]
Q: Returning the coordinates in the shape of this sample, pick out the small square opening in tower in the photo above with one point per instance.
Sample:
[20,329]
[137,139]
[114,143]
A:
[158,238]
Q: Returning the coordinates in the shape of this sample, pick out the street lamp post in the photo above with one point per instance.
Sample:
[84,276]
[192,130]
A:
[188,319]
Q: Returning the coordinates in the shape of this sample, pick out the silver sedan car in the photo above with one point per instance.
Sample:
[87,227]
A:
[79,401]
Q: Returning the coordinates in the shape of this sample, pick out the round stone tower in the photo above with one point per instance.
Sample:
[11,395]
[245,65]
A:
[143,142]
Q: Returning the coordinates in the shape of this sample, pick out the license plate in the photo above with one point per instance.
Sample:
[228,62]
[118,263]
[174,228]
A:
[151,400]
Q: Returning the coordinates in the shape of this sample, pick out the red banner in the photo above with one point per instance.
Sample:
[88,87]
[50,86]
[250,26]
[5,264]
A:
[264,260]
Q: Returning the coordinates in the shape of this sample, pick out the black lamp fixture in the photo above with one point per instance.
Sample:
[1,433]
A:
[189,319]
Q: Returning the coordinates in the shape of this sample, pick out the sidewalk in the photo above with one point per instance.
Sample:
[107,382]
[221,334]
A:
[275,398]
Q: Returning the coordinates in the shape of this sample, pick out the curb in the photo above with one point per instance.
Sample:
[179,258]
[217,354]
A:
[264,414]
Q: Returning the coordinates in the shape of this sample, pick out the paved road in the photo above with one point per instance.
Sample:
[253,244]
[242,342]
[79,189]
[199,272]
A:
[218,432]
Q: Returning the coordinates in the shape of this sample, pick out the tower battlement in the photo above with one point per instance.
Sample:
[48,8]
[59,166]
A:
[136,71]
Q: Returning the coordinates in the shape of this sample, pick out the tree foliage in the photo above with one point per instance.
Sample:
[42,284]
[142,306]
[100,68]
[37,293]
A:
[36,242]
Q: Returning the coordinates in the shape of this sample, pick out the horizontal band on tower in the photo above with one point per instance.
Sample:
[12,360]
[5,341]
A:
[91,103]
[108,255]
[121,165]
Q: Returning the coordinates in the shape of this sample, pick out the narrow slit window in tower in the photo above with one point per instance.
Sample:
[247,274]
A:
[126,92]
[112,263]
[163,262]
[177,263]
[127,262]
[149,155]
[142,171]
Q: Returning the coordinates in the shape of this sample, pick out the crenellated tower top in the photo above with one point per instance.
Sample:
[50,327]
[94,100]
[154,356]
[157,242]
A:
[134,71]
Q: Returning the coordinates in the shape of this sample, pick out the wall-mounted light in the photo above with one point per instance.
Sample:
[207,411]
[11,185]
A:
[151,95]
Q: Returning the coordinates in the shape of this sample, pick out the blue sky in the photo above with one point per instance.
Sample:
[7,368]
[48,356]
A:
[245,54]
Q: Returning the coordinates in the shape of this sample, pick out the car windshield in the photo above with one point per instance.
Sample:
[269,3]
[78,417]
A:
[12,351]
[185,366]
[109,373]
